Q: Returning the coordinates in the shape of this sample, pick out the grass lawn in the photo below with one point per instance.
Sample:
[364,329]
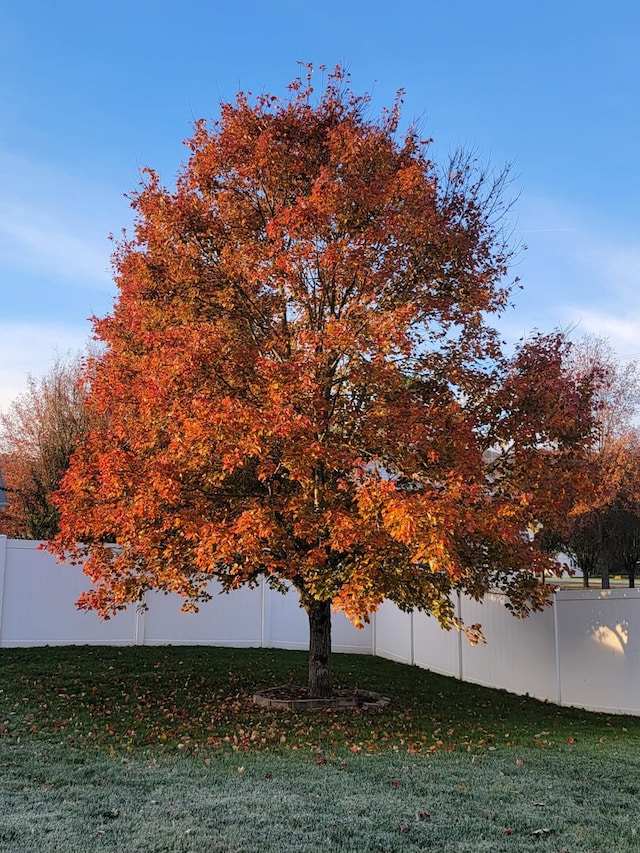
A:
[161,749]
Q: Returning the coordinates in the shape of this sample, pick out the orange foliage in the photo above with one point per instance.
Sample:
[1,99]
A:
[300,381]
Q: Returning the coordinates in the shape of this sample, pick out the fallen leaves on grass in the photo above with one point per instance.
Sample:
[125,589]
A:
[200,699]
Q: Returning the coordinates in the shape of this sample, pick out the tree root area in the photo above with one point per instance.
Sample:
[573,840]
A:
[291,697]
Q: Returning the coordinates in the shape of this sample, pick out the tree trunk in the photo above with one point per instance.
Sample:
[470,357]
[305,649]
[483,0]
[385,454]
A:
[585,578]
[632,577]
[606,582]
[320,686]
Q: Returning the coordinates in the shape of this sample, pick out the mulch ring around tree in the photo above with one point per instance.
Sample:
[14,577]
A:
[291,697]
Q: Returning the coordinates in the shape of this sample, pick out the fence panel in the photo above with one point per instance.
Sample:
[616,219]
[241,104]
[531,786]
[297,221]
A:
[39,609]
[226,620]
[519,654]
[435,649]
[393,633]
[599,649]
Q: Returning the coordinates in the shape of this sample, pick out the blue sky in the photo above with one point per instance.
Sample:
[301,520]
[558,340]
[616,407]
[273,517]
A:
[90,93]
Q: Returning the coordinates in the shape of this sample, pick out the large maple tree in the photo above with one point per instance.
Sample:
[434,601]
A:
[300,380]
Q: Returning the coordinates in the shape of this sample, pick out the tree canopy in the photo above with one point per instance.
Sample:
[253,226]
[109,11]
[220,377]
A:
[300,379]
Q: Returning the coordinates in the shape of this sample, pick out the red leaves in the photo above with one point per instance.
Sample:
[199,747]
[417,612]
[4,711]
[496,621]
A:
[299,380]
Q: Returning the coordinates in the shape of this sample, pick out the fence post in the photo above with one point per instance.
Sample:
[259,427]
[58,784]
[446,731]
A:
[459,633]
[412,652]
[374,617]
[556,640]
[140,625]
[3,563]
[263,604]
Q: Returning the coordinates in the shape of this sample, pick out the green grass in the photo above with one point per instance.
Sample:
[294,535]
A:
[161,749]
[595,583]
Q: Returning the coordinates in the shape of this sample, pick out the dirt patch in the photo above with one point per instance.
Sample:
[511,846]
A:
[291,697]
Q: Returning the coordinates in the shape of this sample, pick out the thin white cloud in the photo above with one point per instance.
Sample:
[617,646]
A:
[579,273]
[622,331]
[56,224]
[30,348]
[611,306]
[37,241]
[611,267]
[577,251]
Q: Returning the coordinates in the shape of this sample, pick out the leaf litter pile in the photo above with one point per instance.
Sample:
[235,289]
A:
[198,699]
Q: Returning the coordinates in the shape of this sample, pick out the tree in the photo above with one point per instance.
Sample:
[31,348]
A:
[38,434]
[617,396]
[584,543]
[602,530]
[622,541]
[603,533]
[299,380]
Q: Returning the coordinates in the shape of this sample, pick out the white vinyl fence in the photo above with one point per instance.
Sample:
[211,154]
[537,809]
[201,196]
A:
[37,608]
[584,651]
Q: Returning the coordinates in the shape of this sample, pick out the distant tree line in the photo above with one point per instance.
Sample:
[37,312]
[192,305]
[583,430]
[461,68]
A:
[602,534]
